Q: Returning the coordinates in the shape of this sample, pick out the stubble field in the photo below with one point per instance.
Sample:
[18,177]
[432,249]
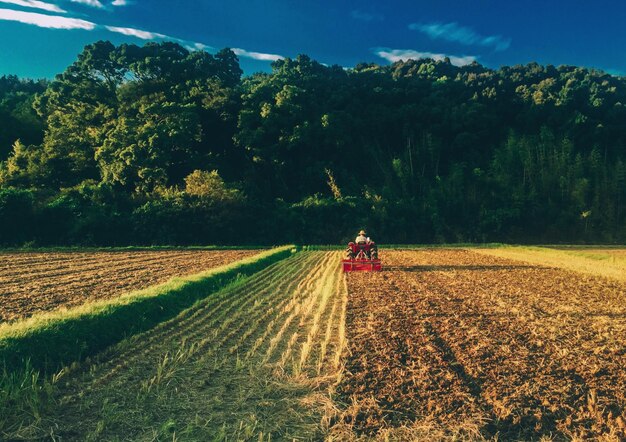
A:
[255,361]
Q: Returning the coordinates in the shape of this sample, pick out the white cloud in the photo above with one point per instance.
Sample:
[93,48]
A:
[394,55]
[120,3]
[92,3]
[35,4]
[199,47]
[46,21]
[191,46]
[144,35]
[366,16]
[257,55]
[60,22]
[461,34]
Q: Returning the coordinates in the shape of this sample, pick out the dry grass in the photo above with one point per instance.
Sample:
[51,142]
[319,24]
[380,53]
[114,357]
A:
[607,262]
[255,361]
[447,345]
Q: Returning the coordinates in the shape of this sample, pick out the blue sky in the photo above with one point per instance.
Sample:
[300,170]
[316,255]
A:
[39,38]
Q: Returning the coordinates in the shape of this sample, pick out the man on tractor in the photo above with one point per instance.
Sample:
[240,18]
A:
[364,244]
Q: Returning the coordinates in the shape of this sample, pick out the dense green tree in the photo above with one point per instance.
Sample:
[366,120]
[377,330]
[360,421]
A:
[138,117]
[157,144]
[18,120]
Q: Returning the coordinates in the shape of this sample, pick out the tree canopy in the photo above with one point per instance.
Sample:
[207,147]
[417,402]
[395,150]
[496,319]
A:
[160,144]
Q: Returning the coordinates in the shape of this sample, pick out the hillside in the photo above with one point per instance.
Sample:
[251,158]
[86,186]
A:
[159,145]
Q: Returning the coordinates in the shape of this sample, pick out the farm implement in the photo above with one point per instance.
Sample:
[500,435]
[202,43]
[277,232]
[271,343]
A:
[361,258]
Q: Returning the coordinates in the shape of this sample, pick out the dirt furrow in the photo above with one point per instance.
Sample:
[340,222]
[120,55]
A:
[121,270]
[576,366]
[50,270]
[33,295]
[397,372]
[522,351]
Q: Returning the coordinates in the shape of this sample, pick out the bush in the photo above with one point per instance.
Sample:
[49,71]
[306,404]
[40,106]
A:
[17,216]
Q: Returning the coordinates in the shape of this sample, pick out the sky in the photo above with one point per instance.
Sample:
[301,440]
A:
[40,38]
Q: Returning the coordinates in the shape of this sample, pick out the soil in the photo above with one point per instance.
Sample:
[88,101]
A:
[466,341]
[31,283]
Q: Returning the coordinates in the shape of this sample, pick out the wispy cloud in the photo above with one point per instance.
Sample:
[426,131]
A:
[257,55]
[144,35]
[192,46]
[46,21]
[119,3]
[35,4]
[460,34]
[366,16]
[92,3]
[394,55]
[60,22]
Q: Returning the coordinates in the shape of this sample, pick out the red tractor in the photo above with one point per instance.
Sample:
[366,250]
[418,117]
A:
[362,257]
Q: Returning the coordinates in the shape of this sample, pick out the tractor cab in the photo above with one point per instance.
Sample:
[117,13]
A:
[362,257]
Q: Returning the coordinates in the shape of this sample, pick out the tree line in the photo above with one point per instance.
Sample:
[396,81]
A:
[161,145]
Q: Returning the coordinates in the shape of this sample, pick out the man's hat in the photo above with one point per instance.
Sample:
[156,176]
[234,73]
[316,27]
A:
[362,232]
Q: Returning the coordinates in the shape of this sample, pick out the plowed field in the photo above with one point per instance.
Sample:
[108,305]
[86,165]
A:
[454,343]
[35,282]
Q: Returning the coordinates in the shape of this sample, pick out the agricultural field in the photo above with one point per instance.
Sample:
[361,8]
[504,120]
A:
[452,343]
[32,282]
[443,344]
[609,262]
[257,359]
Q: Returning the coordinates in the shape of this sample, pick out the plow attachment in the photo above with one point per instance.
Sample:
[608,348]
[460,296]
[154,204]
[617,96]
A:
[357,265]
[361,258]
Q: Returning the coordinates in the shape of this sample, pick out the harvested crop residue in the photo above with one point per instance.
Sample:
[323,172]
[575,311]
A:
[36,282]
[451,343]
[607,262]
[255,361]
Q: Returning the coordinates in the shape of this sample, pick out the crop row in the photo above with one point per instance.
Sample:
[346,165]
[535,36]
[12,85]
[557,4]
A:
[258,356]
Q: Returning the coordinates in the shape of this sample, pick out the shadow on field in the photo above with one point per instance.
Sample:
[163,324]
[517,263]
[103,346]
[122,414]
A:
[513,427]
[450,268]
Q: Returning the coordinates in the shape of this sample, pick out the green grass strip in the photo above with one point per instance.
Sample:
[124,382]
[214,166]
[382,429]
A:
[53,340]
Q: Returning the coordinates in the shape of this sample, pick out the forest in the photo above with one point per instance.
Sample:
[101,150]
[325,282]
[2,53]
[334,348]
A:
[159,145]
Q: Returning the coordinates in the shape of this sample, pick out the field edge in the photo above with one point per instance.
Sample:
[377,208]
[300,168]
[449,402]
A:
[50,341]
[578,261]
